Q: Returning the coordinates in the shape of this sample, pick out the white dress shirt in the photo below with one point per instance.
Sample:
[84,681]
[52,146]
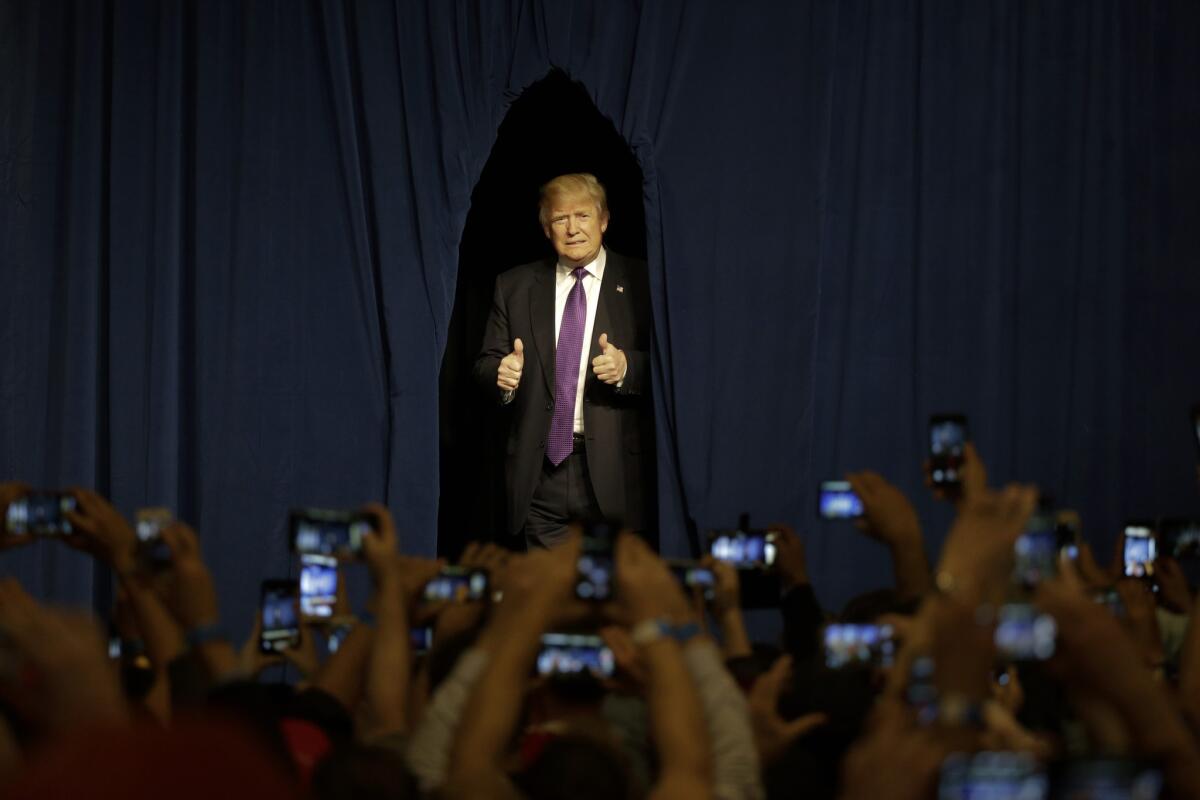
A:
[564,281]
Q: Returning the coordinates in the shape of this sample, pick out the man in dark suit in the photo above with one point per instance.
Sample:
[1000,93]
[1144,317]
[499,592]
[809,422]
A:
[567,348]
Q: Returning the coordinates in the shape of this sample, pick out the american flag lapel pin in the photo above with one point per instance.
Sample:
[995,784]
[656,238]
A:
[620,288]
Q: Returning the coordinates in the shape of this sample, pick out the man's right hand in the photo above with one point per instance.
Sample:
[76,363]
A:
[508,375]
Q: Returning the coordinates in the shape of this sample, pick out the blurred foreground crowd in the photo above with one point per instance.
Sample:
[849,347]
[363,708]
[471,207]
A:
[1008,667]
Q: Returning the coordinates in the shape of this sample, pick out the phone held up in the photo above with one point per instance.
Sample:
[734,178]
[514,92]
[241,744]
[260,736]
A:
[595,569]
[280,608]
[324,532]
[947,440]
[40,513]
[744,549]
[836,500]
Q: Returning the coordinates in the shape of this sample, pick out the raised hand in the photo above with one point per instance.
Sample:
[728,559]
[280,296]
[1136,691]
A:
[645,586]
[974,478]
[99,529]
[772,733]
[977,555]
[610,365]
[508,374]
[790,560]
[887,514]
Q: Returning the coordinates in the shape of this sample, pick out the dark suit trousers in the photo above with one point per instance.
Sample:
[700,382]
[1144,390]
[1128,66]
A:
[563,494]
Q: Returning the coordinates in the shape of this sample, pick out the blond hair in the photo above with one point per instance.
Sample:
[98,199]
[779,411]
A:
[569,185]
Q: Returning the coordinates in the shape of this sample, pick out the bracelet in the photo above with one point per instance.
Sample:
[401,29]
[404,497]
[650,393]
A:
[202,635]
[649,631]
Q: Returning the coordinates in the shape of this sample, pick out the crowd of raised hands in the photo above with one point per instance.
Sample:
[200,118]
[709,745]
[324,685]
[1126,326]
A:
[641,686]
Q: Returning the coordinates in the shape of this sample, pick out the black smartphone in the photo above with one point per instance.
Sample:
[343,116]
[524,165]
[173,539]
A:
[575,654]
[743,549]
[325,532]
[947,439]
[1024,634]
[152,552]
[40,513]
[457,584]
[691,575]
[1036,551]
[836,500]
[966,776]
[1104,778]
[280,616]
[1139,549]
[595,579]
[859,645]
[318,585]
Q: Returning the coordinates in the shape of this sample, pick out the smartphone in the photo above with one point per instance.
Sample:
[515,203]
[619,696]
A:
[595,568]
[743,549]
[947,438]
[836,500]
[575,654]
[152,551]
[280,616]
[1024,634]
[318,585]
[326,532]
[1036,551]
[421,639]
[457,584]
[1140,549]
[1105,778]
[859,646]
[691,575]
[993,774]
[40,514]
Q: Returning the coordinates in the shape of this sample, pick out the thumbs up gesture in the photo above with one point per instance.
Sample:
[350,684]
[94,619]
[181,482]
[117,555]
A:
[610,365]
[508,375]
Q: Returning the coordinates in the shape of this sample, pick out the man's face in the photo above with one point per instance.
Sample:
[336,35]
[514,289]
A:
[576,228]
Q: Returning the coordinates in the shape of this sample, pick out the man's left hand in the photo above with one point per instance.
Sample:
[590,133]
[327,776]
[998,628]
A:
[610,365]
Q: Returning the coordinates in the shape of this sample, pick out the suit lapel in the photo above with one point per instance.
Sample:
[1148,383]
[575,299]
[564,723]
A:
[541,321]
[610,313]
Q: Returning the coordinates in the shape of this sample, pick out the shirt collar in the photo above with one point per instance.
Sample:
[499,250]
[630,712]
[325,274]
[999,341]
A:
[595,267]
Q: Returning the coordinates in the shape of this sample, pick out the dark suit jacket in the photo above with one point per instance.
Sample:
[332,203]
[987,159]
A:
[618,423]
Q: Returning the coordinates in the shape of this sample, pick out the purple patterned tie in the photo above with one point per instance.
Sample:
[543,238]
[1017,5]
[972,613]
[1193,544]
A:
[566,371]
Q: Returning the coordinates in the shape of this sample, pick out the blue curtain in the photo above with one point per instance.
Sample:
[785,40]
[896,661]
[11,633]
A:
[229,235]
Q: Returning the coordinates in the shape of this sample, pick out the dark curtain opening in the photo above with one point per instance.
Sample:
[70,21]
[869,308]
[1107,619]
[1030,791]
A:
[552,128]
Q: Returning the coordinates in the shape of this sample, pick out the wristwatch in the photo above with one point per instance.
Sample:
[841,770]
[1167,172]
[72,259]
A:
[649,631]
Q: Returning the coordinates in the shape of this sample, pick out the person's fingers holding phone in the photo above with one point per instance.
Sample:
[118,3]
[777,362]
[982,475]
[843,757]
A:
[726,585]
[193,595]
[9,492]
[645,587]
[791,562]
[887,513]
[98,528]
